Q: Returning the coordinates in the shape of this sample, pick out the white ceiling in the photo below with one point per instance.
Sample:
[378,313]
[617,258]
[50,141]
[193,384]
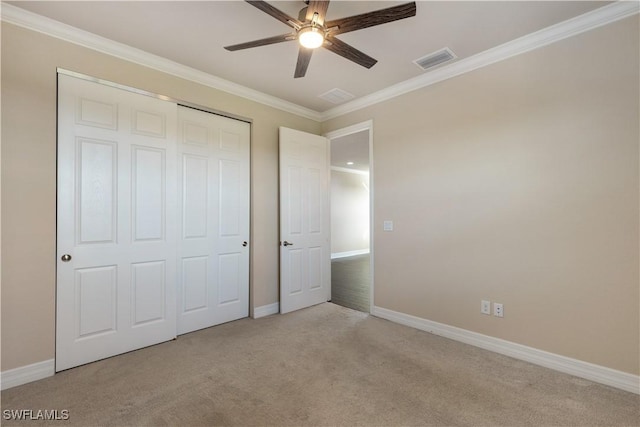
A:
[194,33]
[354,149]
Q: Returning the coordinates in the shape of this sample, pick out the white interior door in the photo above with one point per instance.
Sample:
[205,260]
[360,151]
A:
[116,236]
[305,252]
[213,265]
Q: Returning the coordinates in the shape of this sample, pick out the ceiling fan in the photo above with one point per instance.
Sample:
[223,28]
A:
[312,31]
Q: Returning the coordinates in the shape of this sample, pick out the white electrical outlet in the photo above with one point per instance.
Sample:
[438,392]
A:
[387,225]
[498,309]
[485,307]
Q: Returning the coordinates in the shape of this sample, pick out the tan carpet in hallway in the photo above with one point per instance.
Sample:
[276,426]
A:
[326,365]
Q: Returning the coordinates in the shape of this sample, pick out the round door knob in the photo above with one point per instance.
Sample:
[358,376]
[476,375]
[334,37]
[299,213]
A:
[244,243]
[66,258]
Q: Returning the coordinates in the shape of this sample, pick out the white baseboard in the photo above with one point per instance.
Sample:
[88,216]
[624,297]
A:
[567,365]
[579,368]
[27,374]
[266,310]
[349,253]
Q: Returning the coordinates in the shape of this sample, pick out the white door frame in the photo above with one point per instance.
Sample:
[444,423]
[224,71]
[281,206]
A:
[339,133]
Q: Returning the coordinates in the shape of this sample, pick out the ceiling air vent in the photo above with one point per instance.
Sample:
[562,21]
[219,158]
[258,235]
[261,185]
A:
[337,96]
[436,58]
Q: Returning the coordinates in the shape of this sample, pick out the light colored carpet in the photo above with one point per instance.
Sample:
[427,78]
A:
[326,365]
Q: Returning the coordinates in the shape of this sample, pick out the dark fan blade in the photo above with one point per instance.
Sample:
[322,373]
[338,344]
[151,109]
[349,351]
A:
[262,42]
[351,53]
[317,6]
[371,19]
[304,56]
[276,13]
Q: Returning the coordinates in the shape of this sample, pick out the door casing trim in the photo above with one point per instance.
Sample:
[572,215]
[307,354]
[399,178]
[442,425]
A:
[338,133]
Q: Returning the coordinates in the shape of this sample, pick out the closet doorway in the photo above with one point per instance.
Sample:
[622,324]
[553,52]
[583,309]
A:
[351,201]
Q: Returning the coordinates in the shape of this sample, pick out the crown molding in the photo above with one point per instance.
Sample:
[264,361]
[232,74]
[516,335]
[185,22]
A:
[571,27]
[32,21]
[588,21]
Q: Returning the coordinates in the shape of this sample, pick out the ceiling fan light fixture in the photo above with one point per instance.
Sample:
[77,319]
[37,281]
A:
[310,37]
[313,30]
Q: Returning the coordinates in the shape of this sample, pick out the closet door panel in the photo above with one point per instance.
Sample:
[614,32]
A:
[116,228]
[214,195]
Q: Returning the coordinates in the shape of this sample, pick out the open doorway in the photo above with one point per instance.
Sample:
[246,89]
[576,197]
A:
[351,270]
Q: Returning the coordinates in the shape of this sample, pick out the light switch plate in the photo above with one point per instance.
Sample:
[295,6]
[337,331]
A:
[387,225]
[485,307]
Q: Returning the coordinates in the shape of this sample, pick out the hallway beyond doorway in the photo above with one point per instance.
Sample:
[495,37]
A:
[350,279]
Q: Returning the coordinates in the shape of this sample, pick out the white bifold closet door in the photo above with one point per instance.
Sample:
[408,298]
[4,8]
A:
[213,259]
[116,256]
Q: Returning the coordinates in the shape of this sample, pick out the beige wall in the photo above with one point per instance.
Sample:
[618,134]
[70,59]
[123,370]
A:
[349,212]
[518,183]
[29,62]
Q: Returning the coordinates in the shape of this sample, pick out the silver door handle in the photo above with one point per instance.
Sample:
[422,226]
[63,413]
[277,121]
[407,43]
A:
[65,258]
[287,243]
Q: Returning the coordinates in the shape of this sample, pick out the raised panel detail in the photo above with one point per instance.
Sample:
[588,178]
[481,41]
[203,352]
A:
[194,196]
[228,278]
[96,167]
[214,221]
[229,141]
[315,268]
[295,199]
[96,308]
[194,283]
[147,292]
[229,206]
[295,271]
[148,124]
[148,184]
[194,134]
[314,194]
[116,215]
[97,114]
